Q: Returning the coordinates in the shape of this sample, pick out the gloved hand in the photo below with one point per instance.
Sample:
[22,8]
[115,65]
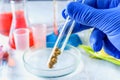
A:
[105,21]
[98,39]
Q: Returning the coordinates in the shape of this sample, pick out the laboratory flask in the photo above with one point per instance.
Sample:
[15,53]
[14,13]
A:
[19,20]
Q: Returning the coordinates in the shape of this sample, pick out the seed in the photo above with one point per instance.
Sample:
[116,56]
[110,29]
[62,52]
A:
[54,56]
[56,49]
[50,65]
[57,52]
[54,60]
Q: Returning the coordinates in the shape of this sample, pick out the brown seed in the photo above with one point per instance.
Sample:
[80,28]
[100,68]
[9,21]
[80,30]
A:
[54,56]
[50,65]
[57,52]
[54,60]
[56,49]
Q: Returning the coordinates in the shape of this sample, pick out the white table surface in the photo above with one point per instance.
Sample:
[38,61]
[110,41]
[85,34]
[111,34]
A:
[93,69]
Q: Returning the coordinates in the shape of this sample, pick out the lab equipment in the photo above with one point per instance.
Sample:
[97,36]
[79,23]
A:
[39,34]
[5,17]
[35,60]
[103,19]
[61,47]
[19,20]
[4,62]
[55,24]
[21,38]
[4,70]
[5,21]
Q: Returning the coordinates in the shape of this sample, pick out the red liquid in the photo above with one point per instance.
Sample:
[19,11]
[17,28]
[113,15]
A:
[20,20]
[5,25]
[21,23]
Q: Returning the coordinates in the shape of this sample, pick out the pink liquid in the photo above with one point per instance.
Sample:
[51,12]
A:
[21,23]
[5,25]
[20,20]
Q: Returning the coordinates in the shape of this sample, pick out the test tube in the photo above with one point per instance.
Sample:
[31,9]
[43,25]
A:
[61,41]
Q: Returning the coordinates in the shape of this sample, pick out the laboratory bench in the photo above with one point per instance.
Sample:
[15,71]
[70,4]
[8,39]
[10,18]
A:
[92,69]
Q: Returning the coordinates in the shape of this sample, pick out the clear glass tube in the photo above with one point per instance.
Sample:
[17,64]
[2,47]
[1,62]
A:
[61,41]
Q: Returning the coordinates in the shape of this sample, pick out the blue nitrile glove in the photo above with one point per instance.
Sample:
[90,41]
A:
[99,39]
[104,19]
[77,27]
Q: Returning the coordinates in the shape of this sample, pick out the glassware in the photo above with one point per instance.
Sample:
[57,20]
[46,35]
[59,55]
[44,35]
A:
[5,17]
[35,61]
[5,21]
[20,20]
[21,38]
[64,30]
[39,34]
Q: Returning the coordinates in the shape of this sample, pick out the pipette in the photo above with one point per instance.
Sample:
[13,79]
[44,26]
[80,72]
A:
[59,47]
[55,17]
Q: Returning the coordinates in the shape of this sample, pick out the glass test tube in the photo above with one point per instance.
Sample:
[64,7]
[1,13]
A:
[61,41]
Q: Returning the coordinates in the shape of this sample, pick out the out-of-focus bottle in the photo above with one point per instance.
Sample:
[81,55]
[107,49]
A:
[5,17]
[19,20]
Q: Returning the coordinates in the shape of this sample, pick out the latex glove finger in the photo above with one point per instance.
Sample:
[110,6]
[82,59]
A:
[64,14]
[96,40]
[110,49]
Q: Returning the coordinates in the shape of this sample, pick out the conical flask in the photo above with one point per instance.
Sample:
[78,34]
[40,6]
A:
[19,20]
